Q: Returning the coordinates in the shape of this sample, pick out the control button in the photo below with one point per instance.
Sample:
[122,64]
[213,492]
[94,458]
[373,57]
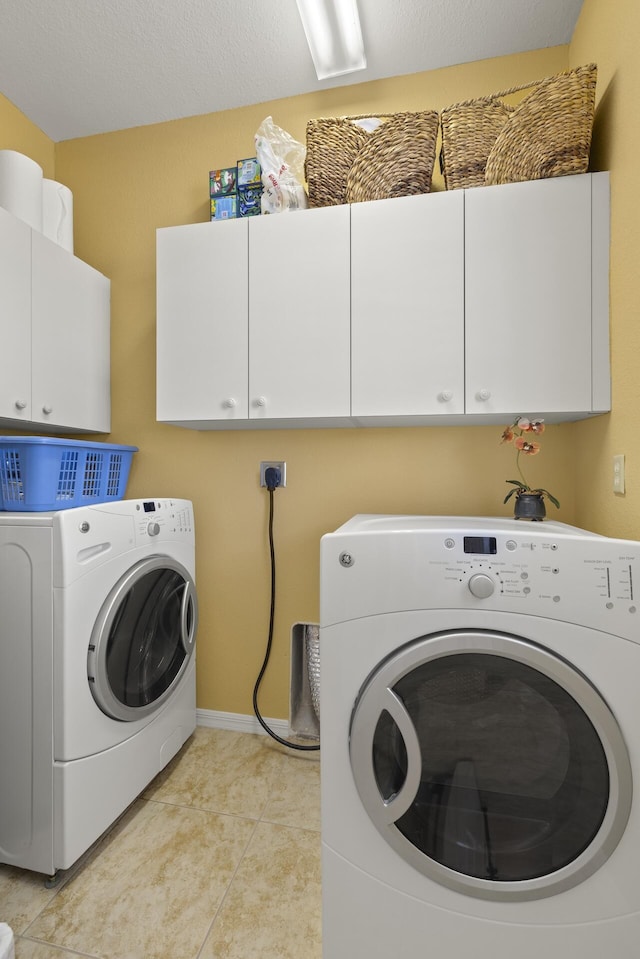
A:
[526,590]
[556,599]
[481,585]
[632,609]
[153,529]
[511,545]
[524,576]
[609,605]
[554,546]
[449,543]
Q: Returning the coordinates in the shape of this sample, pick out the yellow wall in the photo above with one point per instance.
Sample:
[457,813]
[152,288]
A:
[18,133]
[127,184]
[611,41]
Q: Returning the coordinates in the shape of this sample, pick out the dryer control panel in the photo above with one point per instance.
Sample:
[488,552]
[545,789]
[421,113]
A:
[522,566]
[543,569]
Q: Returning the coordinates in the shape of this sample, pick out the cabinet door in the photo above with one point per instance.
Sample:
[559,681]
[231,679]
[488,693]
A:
[299,314]
[408,306]
[15,318]
[528,297]
[70,340]
[202,322]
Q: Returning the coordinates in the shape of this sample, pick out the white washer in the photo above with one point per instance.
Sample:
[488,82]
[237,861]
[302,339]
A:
[480,737]
[98,616]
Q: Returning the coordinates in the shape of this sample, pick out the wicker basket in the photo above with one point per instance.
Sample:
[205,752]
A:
[469,131]
[547,134]
[348,164]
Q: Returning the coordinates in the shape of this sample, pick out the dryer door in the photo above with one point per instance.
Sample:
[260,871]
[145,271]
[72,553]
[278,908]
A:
[143,639]
[490,764]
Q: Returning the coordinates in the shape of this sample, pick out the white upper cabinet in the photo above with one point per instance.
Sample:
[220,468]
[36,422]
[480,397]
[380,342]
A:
[253,321]
[299,315]
[55,326]
[529,312]
[70,344]
[407,306]
[15,318]
[202,323]
[466,306]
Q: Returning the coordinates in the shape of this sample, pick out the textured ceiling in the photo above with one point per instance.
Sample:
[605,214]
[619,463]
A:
[79,67]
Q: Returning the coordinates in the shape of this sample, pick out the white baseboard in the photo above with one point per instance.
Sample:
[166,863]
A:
[239,722]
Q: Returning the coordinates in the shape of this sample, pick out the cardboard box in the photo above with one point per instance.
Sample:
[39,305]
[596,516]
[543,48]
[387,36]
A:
[224,207]
[222,182]
[248,172]
[249,201]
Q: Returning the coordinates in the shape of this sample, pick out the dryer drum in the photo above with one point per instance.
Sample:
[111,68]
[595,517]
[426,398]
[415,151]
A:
[490,764]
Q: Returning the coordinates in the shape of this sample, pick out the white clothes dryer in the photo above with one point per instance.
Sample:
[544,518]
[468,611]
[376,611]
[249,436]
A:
[98,617]
[480,739]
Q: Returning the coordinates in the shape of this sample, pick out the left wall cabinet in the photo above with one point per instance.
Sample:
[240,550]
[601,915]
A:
[55,336]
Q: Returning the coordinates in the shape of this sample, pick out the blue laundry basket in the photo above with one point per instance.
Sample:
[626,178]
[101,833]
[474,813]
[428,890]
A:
[40,473]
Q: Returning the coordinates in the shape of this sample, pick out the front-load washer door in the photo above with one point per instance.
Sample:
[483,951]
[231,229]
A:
[490,764]
[143,639]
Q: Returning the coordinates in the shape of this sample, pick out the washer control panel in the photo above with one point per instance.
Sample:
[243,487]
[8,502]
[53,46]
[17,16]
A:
[163,518]
[88,536]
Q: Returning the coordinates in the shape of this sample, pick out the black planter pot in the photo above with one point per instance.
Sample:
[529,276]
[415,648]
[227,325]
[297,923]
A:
[530,506]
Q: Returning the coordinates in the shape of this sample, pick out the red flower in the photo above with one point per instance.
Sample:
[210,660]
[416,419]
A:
[524,446]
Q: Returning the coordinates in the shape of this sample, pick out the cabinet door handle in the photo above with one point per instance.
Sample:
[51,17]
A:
[483,395]
[260,401]
[47,409]
[229,403]
[445,396]
[21,404]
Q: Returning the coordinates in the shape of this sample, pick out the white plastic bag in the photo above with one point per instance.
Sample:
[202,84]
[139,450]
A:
[281,160]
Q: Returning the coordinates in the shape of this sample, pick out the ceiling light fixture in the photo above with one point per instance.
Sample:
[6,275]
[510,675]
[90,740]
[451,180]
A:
[332,28]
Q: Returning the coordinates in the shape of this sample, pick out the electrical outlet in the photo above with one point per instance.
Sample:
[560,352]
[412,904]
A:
[276,464]
[618,473]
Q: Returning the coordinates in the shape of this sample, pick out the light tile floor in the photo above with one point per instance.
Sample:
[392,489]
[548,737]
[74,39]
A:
[218,859]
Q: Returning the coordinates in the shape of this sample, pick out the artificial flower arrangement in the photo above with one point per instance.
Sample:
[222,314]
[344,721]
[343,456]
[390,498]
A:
[521,433]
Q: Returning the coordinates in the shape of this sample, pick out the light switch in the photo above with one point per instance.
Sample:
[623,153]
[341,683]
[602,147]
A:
[618,473]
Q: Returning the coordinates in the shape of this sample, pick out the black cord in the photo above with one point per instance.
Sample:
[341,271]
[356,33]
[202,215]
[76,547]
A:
[278,739]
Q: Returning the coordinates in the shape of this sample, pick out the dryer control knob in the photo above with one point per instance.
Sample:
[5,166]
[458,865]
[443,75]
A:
[481,585]
[153,529]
